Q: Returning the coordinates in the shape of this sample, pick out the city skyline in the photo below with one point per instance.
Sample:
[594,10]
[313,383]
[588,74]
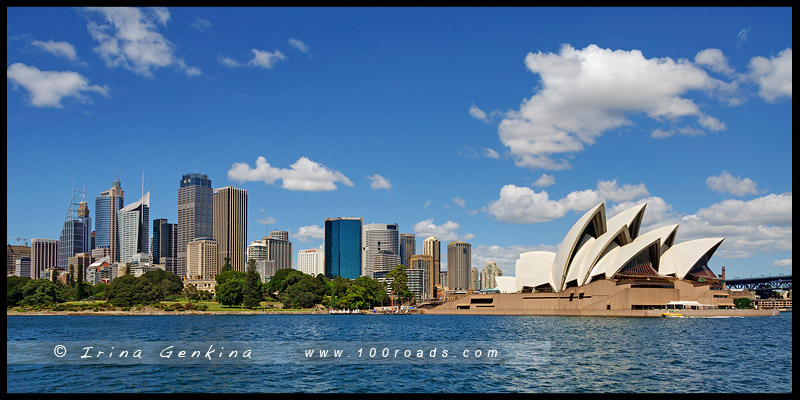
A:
[499,136]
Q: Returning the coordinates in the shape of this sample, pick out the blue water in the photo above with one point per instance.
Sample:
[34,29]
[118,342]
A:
[572,354]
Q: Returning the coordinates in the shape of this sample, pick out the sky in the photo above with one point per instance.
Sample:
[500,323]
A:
[496,126]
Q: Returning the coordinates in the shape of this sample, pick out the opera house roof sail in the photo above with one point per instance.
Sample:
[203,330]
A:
[596,248]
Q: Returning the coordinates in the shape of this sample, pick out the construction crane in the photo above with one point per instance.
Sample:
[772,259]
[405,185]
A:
[25,241]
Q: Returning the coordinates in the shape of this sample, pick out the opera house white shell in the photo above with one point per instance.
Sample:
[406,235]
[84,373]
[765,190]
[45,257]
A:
[596,248]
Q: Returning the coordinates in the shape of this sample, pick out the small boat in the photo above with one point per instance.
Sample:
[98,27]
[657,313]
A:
[671,314]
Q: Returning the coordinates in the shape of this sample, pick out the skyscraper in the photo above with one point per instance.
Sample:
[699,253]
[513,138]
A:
[311,261]
[76,232]
[488,274]
[408,246]
[474,279]
[195,213]
[343,247]
[459,260]
[425,263]
[432,247]
[230,226]
[134,229]
[106,207]
[44,253]
[164,250]
[279,249]
[379,243]
[202,259]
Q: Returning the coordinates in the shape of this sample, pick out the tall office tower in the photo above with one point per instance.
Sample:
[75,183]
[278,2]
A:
[44,255]
[311,261]
[443,280]
[195,213]
[134,229]
[474,279]
[488,274]
[91,244]
[22,267]
[76,231]
[13,253]
[202,259]
[432,247]
[343,247]
[459,260]
[425,263]
[379,242]
[164,250]
[106,225]
[408,247]
[230,226]
[257,251]
[416,283]
[279,249]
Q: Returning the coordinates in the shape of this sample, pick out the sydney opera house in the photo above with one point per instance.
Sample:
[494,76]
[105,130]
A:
[607,267]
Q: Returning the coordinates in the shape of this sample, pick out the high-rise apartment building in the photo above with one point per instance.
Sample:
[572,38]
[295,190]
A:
[443,280]
[76,232]
[230,226]
[416,283]
[22,267]
[488,274]
[425,263]
[279,249]
[379,243]
[432,247]
[134,230]
[343,247]
[13,253]
[202,259]
[164,250]
[474,279]
[195,213]
[81,260]
[44,255]
[408,246]
[459,260]
[106,224]
[311,261]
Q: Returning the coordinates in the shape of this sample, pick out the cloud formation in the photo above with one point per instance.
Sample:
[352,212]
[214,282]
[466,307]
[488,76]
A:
[544,181]
[201,24]
[48,88]
[310,232]
[786,262]
[727,183]
[445,232]
[303,175]
[379,182]
[523,205]
[505,256]
[129,38]
[58,49]
[298,45]
[773,75]
[260,58]
[585,92]
[266,221]
[477,113]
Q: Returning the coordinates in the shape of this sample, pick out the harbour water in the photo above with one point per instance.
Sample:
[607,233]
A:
[534,354]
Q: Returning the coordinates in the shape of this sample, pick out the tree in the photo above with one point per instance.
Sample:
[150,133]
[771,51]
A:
[14,293]
[191,292]
[100,291]
[54,275]
[80,286]
[251,296]
[71,275]
[128,290]
[41,291]
[743,302]
[165,283]
[230,293]
[229,275]
[127,269]
[305,293]
[400,282]
[227,266]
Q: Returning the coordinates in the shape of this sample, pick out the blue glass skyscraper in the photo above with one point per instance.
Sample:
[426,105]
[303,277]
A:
[106,207]
[343,247]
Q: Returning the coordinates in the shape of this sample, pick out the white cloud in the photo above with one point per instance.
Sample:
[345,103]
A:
[714,59]
[299,46]
[742,35]
[786,262]
[303,175]
[773,75]
[445,232]
[459,201]
[266,221]
[726,183]
[129,38]
[491,153]
[307,233]
[201,24]
[660,134]
[48,88]
[379,182]
[772,209]
[58,49]
[589,91]
[261,58]
[523,205]
[477,113]
[544,180]
[427,203]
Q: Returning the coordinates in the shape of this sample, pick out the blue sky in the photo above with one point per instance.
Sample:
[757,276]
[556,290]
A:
[499,127]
